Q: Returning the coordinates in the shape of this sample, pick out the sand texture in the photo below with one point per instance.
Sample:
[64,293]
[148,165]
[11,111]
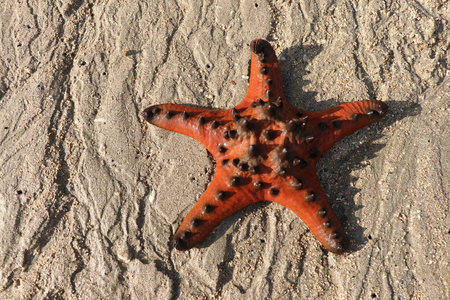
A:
[90,195]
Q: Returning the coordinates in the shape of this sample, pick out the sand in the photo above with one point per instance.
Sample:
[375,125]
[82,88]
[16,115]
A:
[90,195]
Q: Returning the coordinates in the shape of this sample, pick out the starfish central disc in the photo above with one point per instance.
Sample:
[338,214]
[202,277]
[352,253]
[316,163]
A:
[266,150]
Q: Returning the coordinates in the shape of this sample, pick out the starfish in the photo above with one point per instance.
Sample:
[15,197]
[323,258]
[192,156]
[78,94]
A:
[266,150]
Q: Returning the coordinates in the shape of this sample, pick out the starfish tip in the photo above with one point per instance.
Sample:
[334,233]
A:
[373,109]
[180,243]
[147,114]
[263,51]
[342,246]
[379,109]
[150,112]
[259,46]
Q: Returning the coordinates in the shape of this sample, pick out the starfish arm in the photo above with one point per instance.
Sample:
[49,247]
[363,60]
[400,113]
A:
[201,124]
[312,206]
[265,81]
[219,201]
[331,125]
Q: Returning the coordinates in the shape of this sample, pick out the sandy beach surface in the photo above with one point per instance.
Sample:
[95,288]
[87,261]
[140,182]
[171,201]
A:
[90,195]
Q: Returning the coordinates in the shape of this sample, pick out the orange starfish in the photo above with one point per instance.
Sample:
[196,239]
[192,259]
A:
[266,150]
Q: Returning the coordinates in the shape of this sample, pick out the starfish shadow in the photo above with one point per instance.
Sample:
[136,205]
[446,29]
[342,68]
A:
[220,230]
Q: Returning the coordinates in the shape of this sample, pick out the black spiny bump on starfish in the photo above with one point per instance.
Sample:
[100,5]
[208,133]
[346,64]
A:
[215,124]
[337,124]
[284,153]
[269,135]
[314,153]
[254,150]
[269,81]
[148,114]
[246,126]
[234,111]
[291,125]
[254,169]
[328,224]
[274,191]
[309,139]
[322,213]
[310,197]
[269,94]
[169,114]
[157,110]
[185,115]
[186,235]
[354,117]
[322,126]
[232,134]
[237,117]
[180,244]
[279,102]
[296,184]
[264,71]
[373,113]
[303,122]
[222,149]
[270,110]
[225,162]
[226,135]
[258,185]
[303,118]
[335,235]
[235,181]
[298,162]
[236,162]
[197,222]
[243,166]
[208,208]
[222,195]
[201,120]
[283,171]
